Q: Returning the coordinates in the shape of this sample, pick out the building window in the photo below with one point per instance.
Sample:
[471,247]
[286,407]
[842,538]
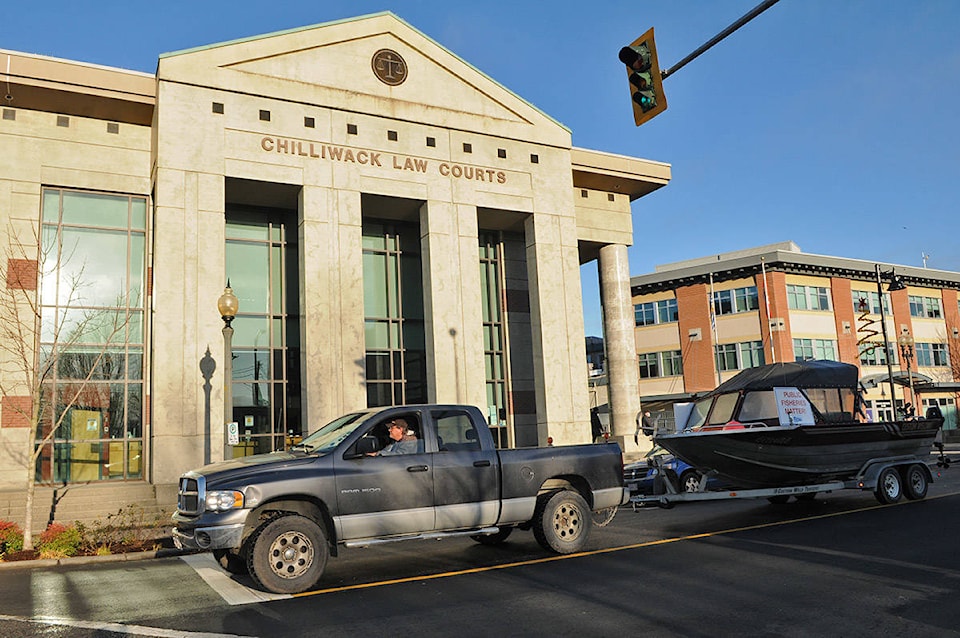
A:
[91,336]
[653,312]
[932,354]
[807,349]
[872,353]
[927,307]
[660,364]
[727,302]
[738,356]
[808,298]
[494,336]
[867,301]
[396,357]
[262,266]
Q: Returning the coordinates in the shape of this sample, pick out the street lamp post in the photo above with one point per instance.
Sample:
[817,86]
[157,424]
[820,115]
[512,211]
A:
[886,344]
[906,351]
[228,305]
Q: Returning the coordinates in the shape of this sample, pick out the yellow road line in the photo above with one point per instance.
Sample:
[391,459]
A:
[594,552]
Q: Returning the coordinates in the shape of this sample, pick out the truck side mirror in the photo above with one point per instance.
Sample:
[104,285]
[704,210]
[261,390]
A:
[367,444]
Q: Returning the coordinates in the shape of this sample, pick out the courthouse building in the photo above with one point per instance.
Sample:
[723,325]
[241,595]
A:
[699,322]
[397,226]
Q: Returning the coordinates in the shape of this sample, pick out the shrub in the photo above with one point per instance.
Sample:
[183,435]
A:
[11,537]
[130,526]
[58,541]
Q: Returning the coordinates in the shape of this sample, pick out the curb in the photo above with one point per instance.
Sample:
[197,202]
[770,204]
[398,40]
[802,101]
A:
[90,560]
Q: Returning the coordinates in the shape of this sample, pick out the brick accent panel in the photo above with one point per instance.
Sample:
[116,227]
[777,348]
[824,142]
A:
[22,274]
[693,311]
[14,411]
[841,296]
[777,296]
[900,301]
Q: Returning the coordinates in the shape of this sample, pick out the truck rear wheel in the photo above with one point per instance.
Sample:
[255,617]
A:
[288,554]
[562,522]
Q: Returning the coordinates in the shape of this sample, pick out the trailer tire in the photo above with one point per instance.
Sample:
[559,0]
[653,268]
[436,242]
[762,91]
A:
[231,561]
[915,482]
[690,481]
[562,522]
[806,497]
[494,539]
[602,518]
[779,499]
[889,486]
[287,554]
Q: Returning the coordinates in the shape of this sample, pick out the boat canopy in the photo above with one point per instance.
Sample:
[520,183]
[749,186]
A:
[795,374]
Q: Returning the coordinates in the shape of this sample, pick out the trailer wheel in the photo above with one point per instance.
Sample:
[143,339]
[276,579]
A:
[602,518]
[494,539]
[915,482]
[779,499]
[889,486]
[562,522]
[287,554]
[690,481]
[806,497]
[231,561]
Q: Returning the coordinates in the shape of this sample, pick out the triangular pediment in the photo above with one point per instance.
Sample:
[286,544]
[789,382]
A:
[333,65]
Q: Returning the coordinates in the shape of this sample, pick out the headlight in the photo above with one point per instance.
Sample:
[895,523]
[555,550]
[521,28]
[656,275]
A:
[221,501]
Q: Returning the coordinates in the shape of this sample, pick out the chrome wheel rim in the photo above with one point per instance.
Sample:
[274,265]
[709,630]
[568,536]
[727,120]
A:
[291,555]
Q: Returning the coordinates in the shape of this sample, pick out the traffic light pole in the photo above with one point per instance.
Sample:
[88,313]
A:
[757,10]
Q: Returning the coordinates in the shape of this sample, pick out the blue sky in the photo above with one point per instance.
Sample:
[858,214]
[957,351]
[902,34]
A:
[832,123]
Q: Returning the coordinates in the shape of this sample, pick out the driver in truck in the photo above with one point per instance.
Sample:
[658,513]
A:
[403,439]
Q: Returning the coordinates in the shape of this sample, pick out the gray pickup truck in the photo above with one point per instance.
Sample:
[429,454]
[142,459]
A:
[359,481]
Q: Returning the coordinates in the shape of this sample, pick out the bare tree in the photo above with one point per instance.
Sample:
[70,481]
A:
[71,342]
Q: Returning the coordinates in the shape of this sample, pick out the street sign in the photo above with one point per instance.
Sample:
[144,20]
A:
[233,433]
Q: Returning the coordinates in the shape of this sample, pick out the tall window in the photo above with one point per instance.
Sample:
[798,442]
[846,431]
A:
[92,325]
[727,302]
[808,297]
[865,300]
[807,349]
[932,354]
[738,356]
[653,312]
[872,353]
[928,307]
[668,363]
[393,314]
[262,266]
[494,336]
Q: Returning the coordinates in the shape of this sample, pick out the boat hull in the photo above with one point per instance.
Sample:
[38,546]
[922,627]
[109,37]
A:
[797,455]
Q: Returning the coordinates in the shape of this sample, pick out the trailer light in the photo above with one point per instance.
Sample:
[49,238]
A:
[221,501]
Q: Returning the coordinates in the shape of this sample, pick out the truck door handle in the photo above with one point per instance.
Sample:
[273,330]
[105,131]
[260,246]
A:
[417,468]
[484,463]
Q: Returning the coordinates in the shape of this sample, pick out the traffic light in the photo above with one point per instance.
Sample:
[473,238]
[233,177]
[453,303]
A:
[646,82]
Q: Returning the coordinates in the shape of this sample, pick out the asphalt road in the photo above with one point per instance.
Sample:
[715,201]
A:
[840,566]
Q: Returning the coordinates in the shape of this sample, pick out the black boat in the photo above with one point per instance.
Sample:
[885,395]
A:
[793,424]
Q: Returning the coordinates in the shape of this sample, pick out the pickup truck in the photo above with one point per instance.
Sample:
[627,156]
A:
[279,516]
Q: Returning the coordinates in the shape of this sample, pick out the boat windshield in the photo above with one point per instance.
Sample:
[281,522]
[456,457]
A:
[698,416]
[759,406]
[835,405]
[332,434]
[723,408]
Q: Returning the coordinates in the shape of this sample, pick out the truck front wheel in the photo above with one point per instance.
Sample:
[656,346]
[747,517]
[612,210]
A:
[562,522]
[230,561]
[288,554]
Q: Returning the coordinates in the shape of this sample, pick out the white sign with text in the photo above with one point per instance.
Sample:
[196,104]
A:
[793,407]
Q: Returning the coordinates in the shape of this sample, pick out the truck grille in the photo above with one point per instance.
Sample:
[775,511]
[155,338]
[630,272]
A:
[191,494]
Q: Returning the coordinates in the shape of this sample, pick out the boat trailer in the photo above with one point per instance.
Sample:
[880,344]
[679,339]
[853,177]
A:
[889,478]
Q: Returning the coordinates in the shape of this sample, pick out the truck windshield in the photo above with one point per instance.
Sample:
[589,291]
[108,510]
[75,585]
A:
[332,434]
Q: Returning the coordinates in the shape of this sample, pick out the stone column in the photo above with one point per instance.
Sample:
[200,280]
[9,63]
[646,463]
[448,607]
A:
[614,271]
[331,304]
